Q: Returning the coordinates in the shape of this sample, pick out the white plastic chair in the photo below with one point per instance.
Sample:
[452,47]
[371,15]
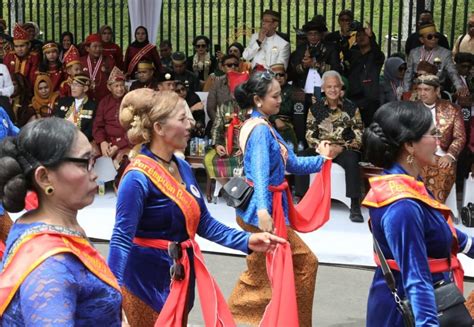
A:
[338,184]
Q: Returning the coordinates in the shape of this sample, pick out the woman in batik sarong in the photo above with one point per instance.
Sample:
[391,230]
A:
[160,209]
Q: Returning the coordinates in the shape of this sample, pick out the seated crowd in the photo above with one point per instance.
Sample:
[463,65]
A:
[331,86]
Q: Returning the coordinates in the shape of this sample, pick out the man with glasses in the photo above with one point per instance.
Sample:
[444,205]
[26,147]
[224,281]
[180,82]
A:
[267,47]
[78,108]
[145,76]
[413,41]
[465,43]
[431,52]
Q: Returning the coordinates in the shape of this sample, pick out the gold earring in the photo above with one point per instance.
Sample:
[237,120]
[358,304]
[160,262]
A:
[410,159]
[49,190]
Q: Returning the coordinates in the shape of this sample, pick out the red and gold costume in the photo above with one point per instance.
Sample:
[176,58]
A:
[71,57]
[26,65]
[98,69]
[449,120]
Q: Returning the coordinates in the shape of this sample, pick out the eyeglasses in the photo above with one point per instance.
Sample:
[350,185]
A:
[201,45]
[345,19]
[176,253]
[232,65]
[432,36]
[277,75]
[87,162]
[435,133]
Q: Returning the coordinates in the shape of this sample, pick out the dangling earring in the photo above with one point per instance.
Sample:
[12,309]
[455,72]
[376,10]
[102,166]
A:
[49,190]
[410,159]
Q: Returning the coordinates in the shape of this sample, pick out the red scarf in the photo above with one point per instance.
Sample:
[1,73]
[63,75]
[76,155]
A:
[310,214]
[387,189]
[136,59]
[214,307]
[230,132]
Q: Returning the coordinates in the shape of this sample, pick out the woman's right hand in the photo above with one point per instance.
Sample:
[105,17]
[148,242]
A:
[265,221]
[221,151]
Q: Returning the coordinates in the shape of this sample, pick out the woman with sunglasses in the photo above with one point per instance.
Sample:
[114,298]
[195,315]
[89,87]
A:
[219,92]
[447,117]
[414,231]
[266,157]
[51,273]
[195,105]
[202,63]
[225,158]
[159,211]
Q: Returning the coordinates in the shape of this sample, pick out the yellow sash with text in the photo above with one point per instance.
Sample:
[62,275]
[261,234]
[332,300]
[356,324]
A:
[36,248]
[168,185]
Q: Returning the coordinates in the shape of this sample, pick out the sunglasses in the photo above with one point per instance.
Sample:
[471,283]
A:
[402,68]
[87,162]
[432,36]
[176,253]
[277,75]
[201,45]
[232,65]
[180,89]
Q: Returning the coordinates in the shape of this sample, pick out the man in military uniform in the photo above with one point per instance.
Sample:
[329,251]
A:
[78,108]
[181,73]
[292,103]
[73,66]
[21,60]
[146,76]
[97,66]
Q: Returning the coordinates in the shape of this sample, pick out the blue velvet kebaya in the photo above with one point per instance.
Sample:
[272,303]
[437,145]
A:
[409,231]
[144,211]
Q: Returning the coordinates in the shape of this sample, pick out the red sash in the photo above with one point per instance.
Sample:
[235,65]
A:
[136,59]
[390,188]
[310,214]
[213,305]
[36,248]
[2,249]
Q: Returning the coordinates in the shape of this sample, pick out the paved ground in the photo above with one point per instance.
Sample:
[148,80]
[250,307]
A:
[341,292]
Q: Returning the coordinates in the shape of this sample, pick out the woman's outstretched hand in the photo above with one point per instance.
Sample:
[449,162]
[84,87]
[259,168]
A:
[263,242]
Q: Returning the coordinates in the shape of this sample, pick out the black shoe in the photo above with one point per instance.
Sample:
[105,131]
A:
[356,217]
[355,214]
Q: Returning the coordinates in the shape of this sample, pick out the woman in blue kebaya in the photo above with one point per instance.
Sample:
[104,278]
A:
[414,231]
[50,274]
[266,158]
[160,209]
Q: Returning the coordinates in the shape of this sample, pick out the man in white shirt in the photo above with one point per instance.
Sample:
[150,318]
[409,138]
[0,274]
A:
[266,47]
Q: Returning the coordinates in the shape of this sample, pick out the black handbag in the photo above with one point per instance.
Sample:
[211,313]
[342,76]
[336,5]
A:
[237,192]
[448,297]
[467,215]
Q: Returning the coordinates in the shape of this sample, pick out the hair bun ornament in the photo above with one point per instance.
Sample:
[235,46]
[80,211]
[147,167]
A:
[136,121]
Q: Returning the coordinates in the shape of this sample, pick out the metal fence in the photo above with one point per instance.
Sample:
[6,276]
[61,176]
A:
[227,21]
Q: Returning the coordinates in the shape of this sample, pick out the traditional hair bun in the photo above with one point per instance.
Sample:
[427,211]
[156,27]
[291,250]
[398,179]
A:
[13,185]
